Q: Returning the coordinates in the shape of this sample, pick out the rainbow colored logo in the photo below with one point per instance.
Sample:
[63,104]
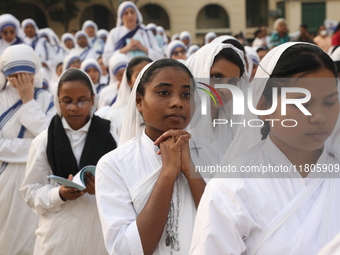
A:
[209,93]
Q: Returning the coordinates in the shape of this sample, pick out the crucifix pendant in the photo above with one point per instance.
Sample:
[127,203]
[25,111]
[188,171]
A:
[167,241]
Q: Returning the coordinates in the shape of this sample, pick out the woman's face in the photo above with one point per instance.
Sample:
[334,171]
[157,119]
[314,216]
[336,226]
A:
[119,74]
[226,72]
[82,41]
[94,74]
[103,67]
[179,53]
[311,131]
[29,30]
[75,64]
[166,102]
[69,44]
[129,18]
[90,31]
[71,93]
[8,34]
[135,71]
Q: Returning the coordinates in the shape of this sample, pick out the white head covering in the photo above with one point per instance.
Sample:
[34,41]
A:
[122,7]
[90,23]
[67,36]
[175,37]
[173,45]
[200,64]
[81,33]
[209,36]
[20,58]
[56,98]
[252,58]
[335,55]
[26,22]
[91,62]
[185,35]
[9,20]
[102,32]
[160,30]
[247,137]
[192,49]
[151,26]
[68,60]
[52,36]
[116,63]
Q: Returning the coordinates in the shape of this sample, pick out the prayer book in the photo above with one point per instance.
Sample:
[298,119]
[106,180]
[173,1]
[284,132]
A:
[78,181]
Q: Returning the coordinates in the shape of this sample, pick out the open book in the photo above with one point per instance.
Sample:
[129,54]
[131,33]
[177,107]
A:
[78,181]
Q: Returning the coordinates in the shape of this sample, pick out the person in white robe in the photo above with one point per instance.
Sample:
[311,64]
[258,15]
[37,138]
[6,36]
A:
[130,37]
[161,32]
[95,42]
[25,110]
[68,218]
[117,66]
[68,42]
[102,34]
[40,45]
[72,60]
[83,48]
[223,64]
[209,37]
[54,40]
[92,68]
[117,111]
[185,37]
[176,50]
[10,31]
[192,49]
[104,78]
[132,176]
[289,211]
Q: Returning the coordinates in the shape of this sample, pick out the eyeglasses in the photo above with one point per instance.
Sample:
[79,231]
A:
[180,52]
[81,104]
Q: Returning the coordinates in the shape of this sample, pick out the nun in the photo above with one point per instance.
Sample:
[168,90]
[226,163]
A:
[11,34]
[279,202]
[95,42]
[25,110]
[130,37]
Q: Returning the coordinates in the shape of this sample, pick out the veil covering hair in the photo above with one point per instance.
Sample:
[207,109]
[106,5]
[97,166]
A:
[25,59]
[223,134]
[248,137]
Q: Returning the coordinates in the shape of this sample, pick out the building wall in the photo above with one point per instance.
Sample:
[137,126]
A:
[183,15]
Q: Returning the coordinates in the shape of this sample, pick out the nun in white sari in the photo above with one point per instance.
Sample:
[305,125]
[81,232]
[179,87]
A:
[95,42]
[280,213]
[127,178]
[11,24]
[201,64]
[117,65]
[83,48]
[131,39]
[20,122]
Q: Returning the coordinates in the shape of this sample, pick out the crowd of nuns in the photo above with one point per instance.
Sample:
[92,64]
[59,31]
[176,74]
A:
[178,168]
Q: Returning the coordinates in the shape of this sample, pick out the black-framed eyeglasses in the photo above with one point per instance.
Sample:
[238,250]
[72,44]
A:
[81,104]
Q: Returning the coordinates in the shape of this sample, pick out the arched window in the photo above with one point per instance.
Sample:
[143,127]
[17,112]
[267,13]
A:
[102,16]
[153,13]
[212,16]
[27,10]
